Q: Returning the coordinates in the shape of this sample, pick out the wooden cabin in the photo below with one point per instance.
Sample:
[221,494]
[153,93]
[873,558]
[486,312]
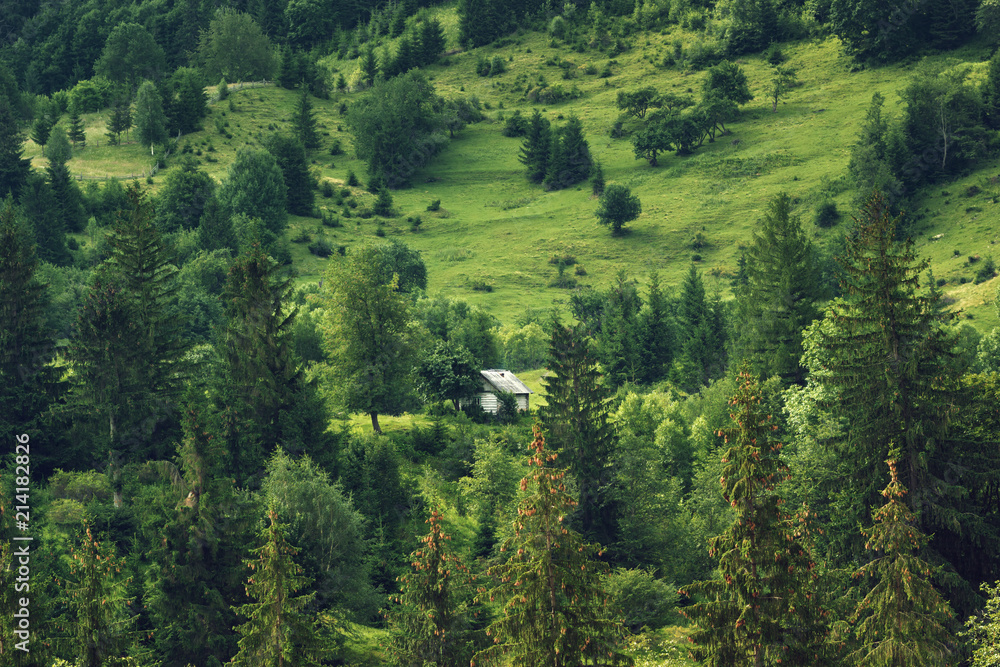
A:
[496,380]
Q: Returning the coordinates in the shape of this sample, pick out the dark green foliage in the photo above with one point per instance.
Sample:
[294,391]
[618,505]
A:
[279,629]
[827,214]
[516,125]
[449,373]
[13,167]
[395,258]
[872,161]
[369,65]
[657,329]
[902,620]
[537,148]
[728,81]
[130,55]
[28,383]
[991,92]
[753,25]
[383,204]
[255,187]
[553,603]
[394,127]
[119,121]
[951,22]
[68,199]
[185,101]
[482,21]
[215,230]
[638,102]
[150,121]
[619,344]
[764,610]
[778,299]
[41,128]
[76,130]
[304,122]
[429,620]
[569,161]
[597,180]
[185,197]
[40,211]
[288,152]
[576,421]
[617,206]
[431,41]
[887,358]
[701,336]
[235,47]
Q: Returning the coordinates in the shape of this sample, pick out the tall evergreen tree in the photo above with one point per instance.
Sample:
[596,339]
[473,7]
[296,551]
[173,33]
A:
[185,197]
[288,152]
[656,326]
[430,618]
[764,610]
[887,360]
[120,121]
[186,100]
[902,619]
[537,148]
[304,122]
[368,65]
[69,200]
[432,41]
[215,231]
[553,612]
[778,300]
[619,344]
[14,167]
[576,421]
[569,161]
[40,210]
[279,631]
[28,381]
[76,128]
[699,350]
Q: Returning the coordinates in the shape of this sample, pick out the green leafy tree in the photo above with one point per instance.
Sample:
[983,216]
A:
[984,631]
[368,336]
[449,373]
[550,588]
[14,167]
[617,206]
[255,187]
[235,47]
[185,101]
[304,122]
[130,55]
[778,299]
[482,21]
[988,17]
[215,230]
[185,197]
[150,121]
[764,610]
[291,158]
[902,620]
[638,102]
[753,24]
[279,631]
[576,421]
[991,88]
[429,621]
[537,148]
[783,79]
[873,32]
[729,81]
[394,127]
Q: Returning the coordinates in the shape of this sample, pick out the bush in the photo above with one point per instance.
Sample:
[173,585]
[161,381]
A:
[490,66]
[987,271]
[479,285]
[336,148]
[326,189]
[642,599]
[321,247]
[775,55]
[434,205]
[352,179]
[517,125]
[827,214]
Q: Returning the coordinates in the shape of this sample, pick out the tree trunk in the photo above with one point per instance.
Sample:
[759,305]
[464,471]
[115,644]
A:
[375,425]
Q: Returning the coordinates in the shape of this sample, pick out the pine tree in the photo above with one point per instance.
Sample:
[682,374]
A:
[28,381]
[41,128]
[120,121]
[537,148]
[261,377]
[431,618]
[215,231]
[368,65]
[576,421]
[778,299]
[14,168]
[290,155]
[304,122]
[694,334]
[888,362]
[619,343]
[101,626]
[570,161]
[764,610]
[69,200]
[901,621]
[431,42]
[553,612]
[597,180]
[278,631]
[76,131]
[383,204]
[40,211]
[656,325]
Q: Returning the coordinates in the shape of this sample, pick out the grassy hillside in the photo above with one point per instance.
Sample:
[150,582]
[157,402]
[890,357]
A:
[497,229]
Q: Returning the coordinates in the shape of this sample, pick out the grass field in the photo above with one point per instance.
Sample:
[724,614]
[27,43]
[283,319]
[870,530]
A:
[496,228]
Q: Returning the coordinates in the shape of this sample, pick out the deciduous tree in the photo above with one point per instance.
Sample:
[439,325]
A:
[617,206]
[235,47]
[150,121]
[255,187]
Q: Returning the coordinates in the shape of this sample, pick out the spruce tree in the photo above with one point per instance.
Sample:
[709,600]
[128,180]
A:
[778,300]
[40,211]
[764,610]
[570,161]
[553,605]
[29,383]
[656,326]
[432,41]
[42,128]
[537,148]
[279,631]
[215,231]
[619,343]
[902,620]
[290,155]
[887,360]
[576,422]
[120,121]
[101,627]
[694,329]
[14,168]
[69,200]
[430,618]
[368,65]
[304,122]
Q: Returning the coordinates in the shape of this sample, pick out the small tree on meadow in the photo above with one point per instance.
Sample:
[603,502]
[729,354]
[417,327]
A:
[617,206]
[554,607]
[304,122]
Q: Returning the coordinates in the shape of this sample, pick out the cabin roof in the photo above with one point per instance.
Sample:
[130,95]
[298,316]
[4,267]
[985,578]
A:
[504,380]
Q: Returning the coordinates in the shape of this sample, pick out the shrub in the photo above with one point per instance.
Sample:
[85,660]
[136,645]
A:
[321,247]
[326,189]
[516,126]
[303,236]
[434,205]
[987,271]
[480,285]
[827,214]
[336,148]
[774,55]
[696,257]
[643,599]
[352,179]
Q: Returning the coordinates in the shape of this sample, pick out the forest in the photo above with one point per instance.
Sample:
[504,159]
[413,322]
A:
[255,255]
